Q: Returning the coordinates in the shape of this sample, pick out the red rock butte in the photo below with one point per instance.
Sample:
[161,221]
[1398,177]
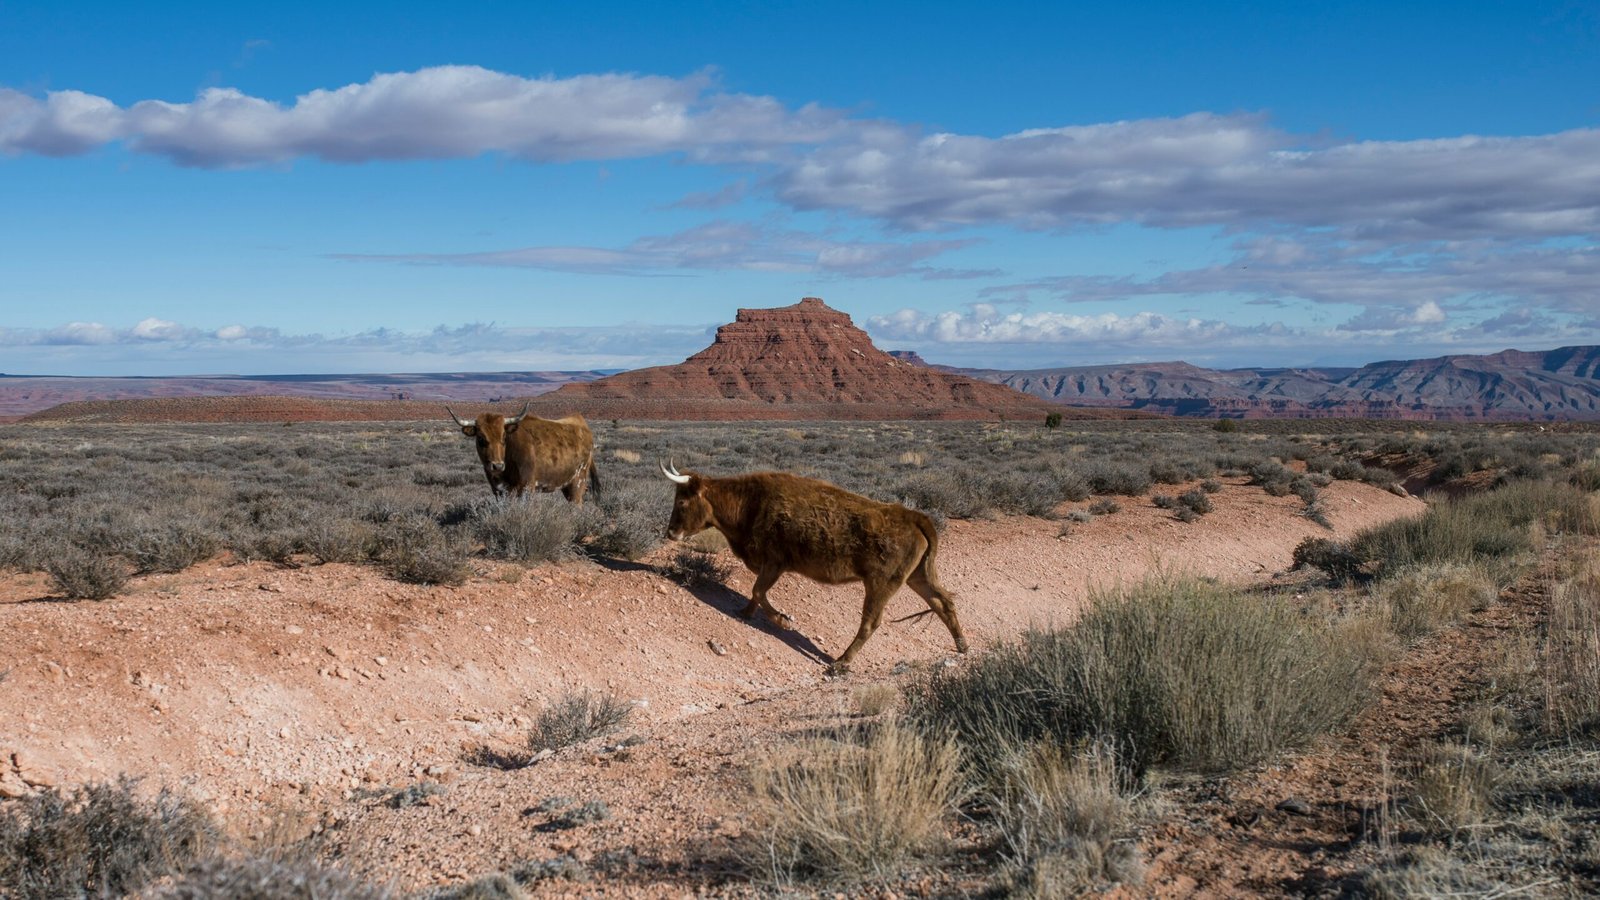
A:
[804,361]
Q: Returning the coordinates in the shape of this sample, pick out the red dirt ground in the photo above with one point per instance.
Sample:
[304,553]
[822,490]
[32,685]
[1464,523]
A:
[267,690]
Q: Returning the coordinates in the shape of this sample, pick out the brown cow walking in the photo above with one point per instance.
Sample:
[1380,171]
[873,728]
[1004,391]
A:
[776,523]
[524,452]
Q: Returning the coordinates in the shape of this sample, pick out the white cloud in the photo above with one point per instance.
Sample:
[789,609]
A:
[170,347]
[433,113]
[1204,169]
[65,123]
[717,246]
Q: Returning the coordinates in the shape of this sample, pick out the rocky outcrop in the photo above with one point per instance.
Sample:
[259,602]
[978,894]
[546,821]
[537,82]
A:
[810,358]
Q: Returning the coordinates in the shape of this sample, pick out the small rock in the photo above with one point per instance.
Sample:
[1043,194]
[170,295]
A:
[12,787]
[1294,806]
[474,830]
[436,771]
[718,649]
[270,588]
[294,629]
[284,732]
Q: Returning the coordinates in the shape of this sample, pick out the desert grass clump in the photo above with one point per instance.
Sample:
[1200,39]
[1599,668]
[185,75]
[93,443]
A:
[100,840]
[844,810]
[267,878]
[874,699]
[693,567]
[1063,819]
[1454,785]
[1126,479]
[339,540]
[1174,672]
[531,529]
[1570,657]
[1493,527]
[1196,500]
[576,717]
[414,549]
[1425,598]
[1105,506]
[633,518]
[81,574]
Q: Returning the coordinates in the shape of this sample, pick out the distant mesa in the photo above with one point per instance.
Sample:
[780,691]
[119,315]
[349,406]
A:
[805,361]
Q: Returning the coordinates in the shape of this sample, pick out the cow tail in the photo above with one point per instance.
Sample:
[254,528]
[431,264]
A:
[594,477]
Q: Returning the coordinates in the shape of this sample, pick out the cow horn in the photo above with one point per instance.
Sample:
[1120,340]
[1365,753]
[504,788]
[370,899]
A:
[464,423]
[518,417]
[673,473]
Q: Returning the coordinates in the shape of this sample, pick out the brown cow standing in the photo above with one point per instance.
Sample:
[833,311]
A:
[776,523]
[524,452]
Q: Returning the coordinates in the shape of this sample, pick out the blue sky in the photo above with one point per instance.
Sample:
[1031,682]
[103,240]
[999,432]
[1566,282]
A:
[210,188]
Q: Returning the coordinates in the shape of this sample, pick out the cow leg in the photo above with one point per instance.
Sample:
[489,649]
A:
[765,579]
[877,599]
[573,491]
[940,601]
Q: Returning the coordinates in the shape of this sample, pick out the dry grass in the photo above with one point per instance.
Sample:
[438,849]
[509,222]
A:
[843,810]
[1174,672]
[1571,657]
[874,699]
[1427,597]
[1063,820]
[1454,785]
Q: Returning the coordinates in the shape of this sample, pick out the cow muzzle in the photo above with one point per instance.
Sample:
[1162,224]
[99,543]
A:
[497,467]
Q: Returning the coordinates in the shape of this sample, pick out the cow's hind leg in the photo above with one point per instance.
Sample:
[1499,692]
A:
[926,584]
[765,579]
[877,599]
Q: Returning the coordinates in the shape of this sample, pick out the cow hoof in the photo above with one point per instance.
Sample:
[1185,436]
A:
[961,646]
[838,670]
[782,621]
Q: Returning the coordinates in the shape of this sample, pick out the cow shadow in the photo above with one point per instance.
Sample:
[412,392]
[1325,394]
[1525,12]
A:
[731,603]
[727,601]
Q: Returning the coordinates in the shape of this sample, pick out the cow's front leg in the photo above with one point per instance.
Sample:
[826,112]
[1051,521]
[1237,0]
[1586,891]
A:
[765,579]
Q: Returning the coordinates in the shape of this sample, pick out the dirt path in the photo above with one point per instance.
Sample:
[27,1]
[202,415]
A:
[260,688]
[1230,839]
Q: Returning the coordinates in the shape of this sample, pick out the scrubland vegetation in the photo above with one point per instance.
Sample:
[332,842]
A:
[1068,737]
[95,505]
[1050,754]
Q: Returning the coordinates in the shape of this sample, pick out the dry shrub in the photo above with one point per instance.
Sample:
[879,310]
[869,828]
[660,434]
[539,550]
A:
[1176,671]
[631,457]
[1454,784]
[577,716]
[1427,597]
[98,840]
[80,574]
[339,540]
[692,567]
[268,878]
[412,548]
[843,810]
[1571,657]
[530,529]
[1062,818]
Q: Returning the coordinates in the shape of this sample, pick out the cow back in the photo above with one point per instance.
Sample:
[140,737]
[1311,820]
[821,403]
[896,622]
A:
[550,452]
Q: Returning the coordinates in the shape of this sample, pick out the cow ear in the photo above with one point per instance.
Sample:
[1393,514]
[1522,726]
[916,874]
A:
[696,483]
[469,430]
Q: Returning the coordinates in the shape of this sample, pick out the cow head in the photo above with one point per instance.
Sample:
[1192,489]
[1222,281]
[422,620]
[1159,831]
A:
[491,430]
[691,511]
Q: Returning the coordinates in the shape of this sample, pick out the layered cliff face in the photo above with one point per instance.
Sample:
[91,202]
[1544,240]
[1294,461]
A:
[1510,385]
[806,357]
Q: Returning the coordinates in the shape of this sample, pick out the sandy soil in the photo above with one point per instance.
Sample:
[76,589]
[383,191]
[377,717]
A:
[300,692]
